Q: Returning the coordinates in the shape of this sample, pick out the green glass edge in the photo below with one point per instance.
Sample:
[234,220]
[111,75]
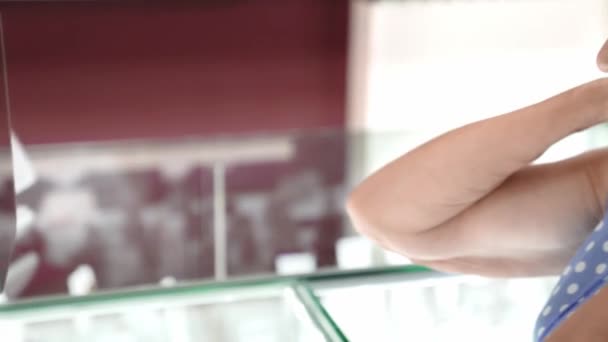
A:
[318,313]
[201,288]
[366,272]
[156,292]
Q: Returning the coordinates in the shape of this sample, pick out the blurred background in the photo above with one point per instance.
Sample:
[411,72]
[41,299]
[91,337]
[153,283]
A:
[163,143]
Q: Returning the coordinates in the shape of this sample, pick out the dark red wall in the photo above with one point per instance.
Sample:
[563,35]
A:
[97,72]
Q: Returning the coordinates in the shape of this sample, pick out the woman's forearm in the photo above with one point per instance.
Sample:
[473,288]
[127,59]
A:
[440,179]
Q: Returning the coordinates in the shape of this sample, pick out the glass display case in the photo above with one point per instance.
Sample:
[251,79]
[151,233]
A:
[422,307]
[232,238]
[408,303]
[261,310]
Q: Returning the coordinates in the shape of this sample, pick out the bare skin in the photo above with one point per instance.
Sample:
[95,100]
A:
[470,201]
[587,324]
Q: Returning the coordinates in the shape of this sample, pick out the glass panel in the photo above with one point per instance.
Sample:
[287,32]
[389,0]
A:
[111,215]
[428,306]
[254,311]
[117,214]
[318,313]
[285,212]
[7,184]
[114,215]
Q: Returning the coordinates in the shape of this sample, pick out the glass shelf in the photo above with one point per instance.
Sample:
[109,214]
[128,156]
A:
[356,305]
[260,310]
[419,306]
[271,309]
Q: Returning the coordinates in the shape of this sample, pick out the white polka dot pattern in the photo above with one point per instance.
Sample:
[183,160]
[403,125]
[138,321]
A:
[541,330]
[584,276]
[599,226]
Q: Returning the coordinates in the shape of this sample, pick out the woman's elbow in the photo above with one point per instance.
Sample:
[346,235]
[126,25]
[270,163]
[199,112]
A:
[384,226]
[366,218]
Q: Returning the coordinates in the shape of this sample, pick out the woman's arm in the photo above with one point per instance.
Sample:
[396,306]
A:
[469,201]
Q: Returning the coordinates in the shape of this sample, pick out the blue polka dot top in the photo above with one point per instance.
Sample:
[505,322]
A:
[586,274]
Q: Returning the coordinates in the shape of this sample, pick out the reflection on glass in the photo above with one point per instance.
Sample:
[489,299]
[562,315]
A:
[286,216]
[130,223]
[144,212]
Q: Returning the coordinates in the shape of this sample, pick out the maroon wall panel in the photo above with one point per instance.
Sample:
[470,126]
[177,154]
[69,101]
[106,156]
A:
[98,72]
